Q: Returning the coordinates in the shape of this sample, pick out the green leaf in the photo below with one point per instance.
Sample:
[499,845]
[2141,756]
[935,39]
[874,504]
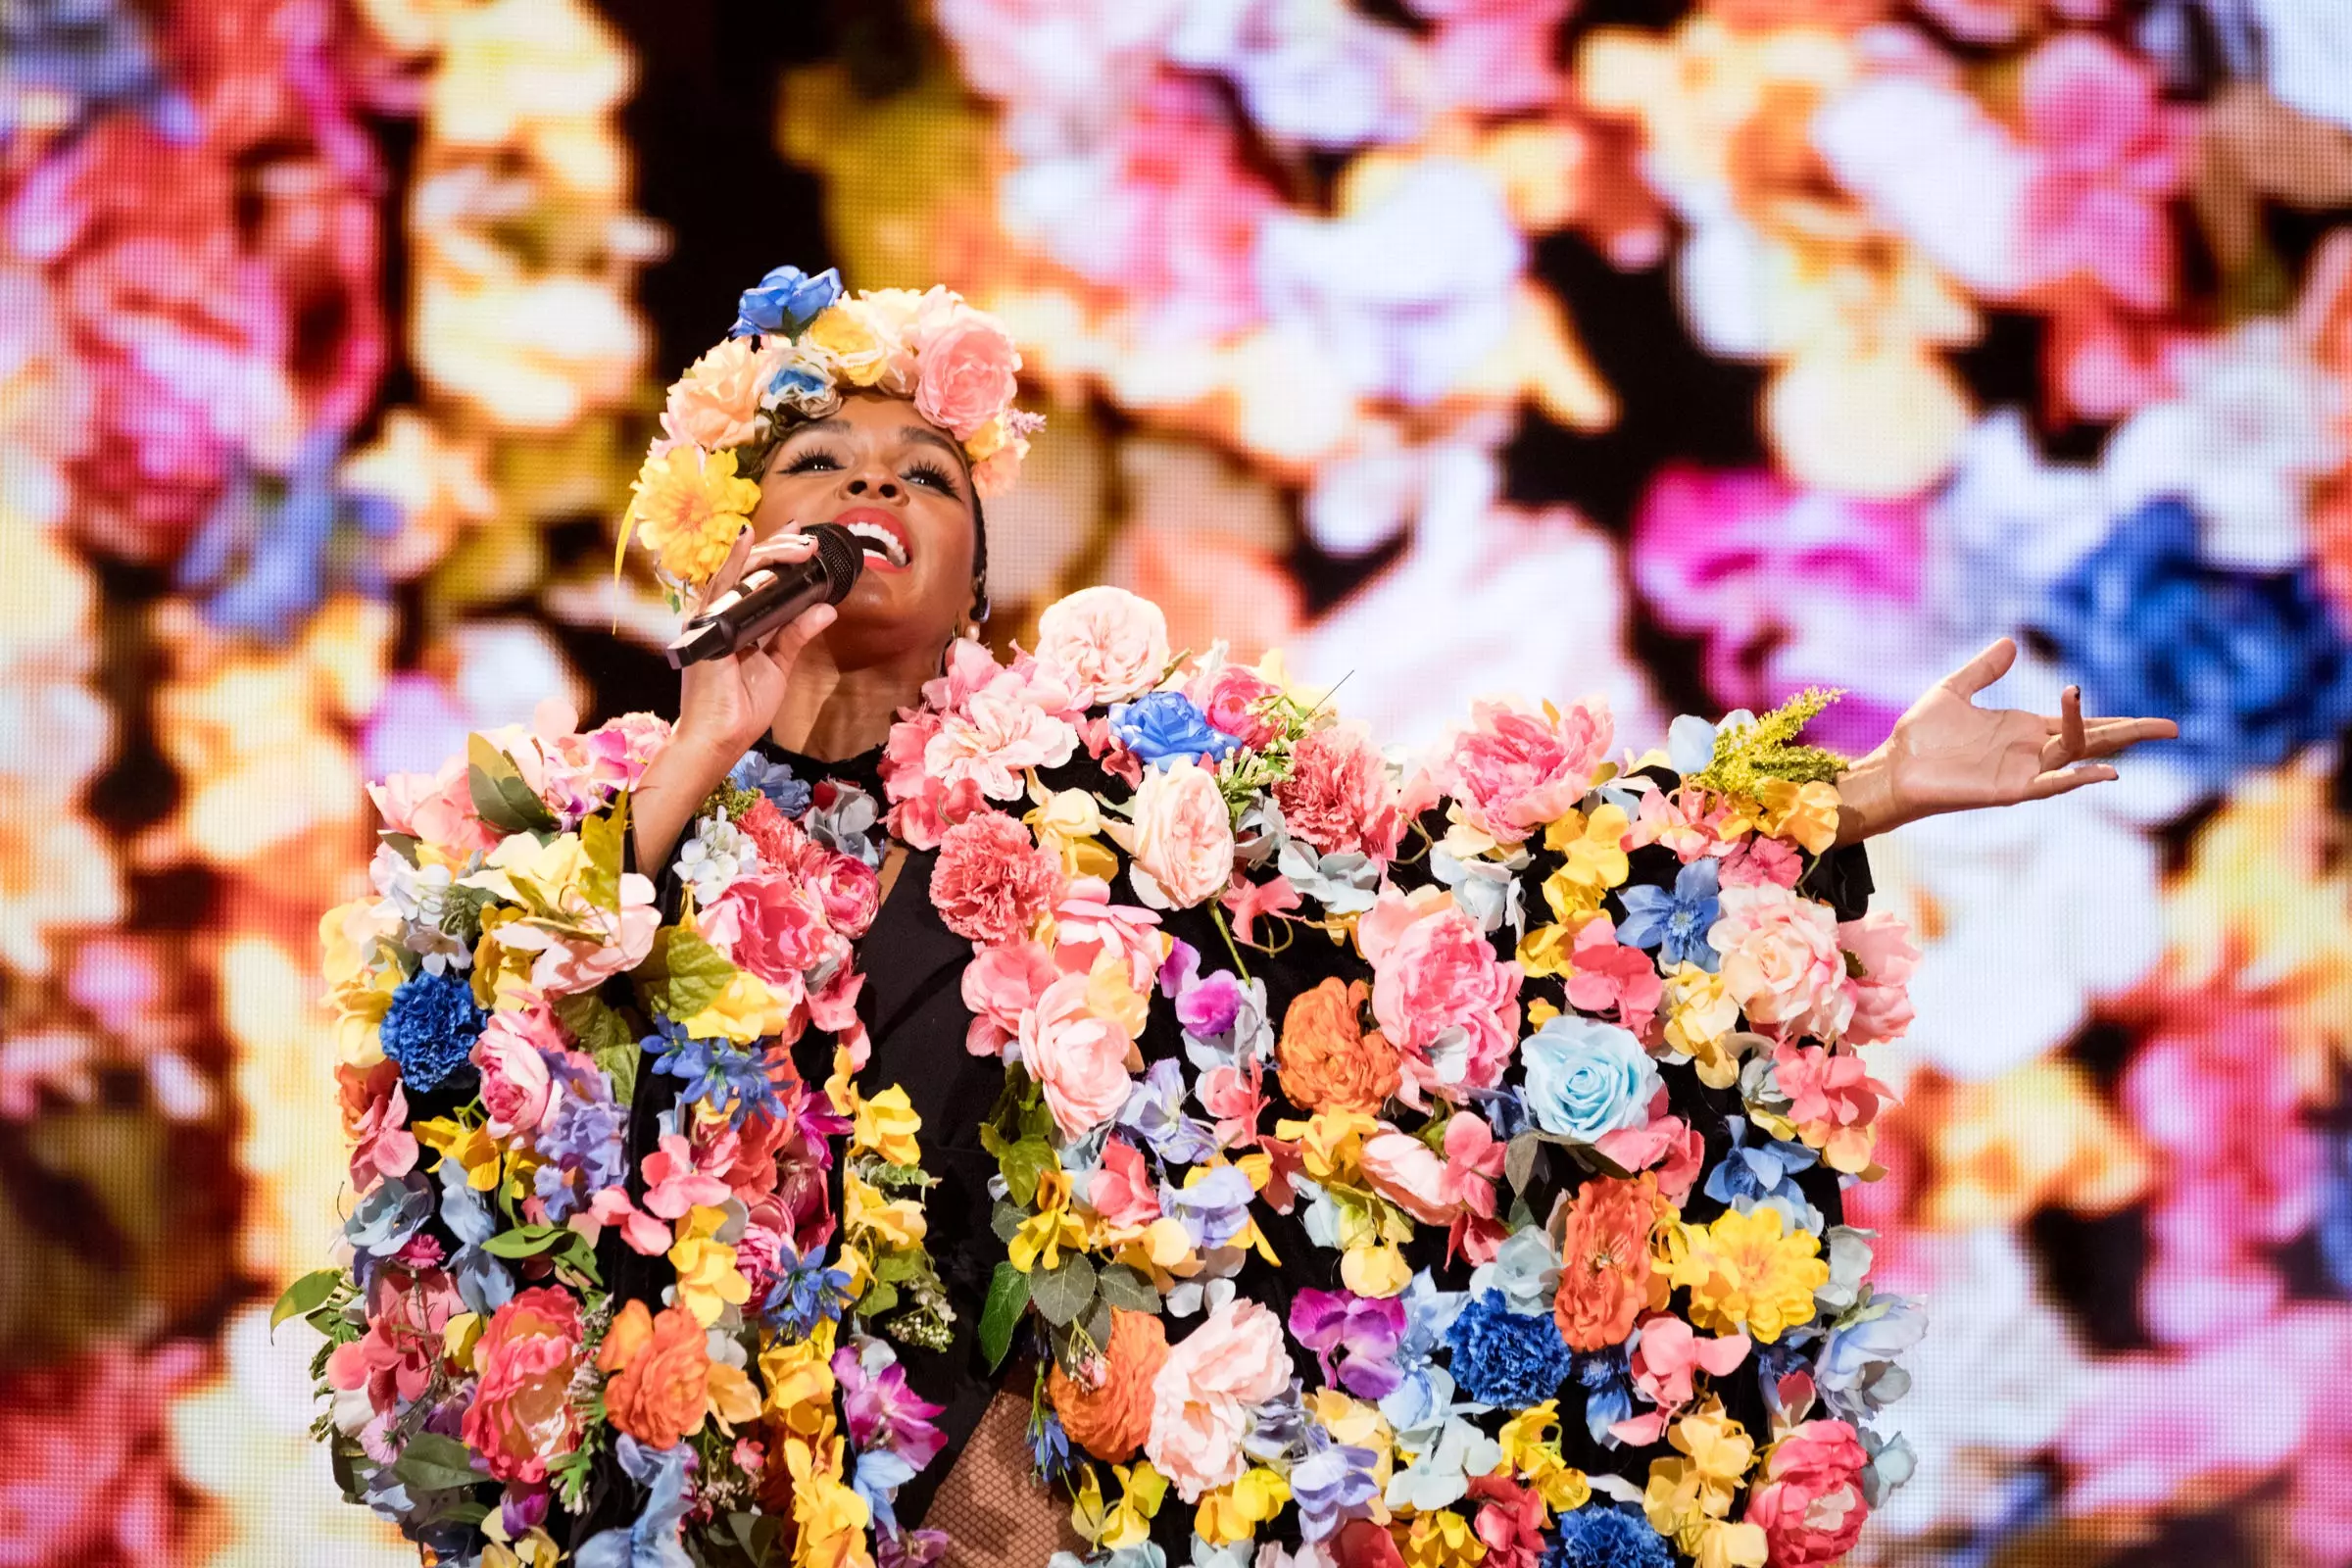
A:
[1007,1298]
[602,838]
[1007,1220]
[607,1038]
[1123,1285]
[432,1462]
[1022,1161]
[306,1294]
[1062,1291]
[468,1513]
[685,974]
[880,1297]
[500,796]
[756,1534]
[528,1241]
[403,845]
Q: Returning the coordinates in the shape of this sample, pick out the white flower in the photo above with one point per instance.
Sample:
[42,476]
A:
[718,856]
[418,897]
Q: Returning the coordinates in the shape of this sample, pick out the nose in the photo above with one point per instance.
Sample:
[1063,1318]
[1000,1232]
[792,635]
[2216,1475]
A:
[874,482]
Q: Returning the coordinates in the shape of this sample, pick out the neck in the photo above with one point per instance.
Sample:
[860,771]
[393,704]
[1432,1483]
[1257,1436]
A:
[829,713]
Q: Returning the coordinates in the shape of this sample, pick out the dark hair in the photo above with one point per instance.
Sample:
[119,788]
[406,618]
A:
[980,604]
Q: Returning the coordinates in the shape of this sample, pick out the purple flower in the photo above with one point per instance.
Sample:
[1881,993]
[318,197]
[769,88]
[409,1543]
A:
[1216,1209]
[1365,1331]
[1208,1008]
[1332,1486]
[883,1411]
[584,1149]
[1154,1113]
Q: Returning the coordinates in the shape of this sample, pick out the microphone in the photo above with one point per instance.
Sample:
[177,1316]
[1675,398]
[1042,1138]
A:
[771,597]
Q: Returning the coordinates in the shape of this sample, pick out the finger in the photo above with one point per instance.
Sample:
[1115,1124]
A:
[782,548]
[2070,719]
[718,582]
[1983,669]
[2062,780]
[2109,736]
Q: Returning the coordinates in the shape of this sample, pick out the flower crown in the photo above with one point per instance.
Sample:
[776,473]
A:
[797,342]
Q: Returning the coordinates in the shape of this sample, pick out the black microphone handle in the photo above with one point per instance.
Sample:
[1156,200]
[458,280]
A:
[750,611]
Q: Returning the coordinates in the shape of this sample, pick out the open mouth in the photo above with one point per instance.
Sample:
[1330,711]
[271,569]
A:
[880,535]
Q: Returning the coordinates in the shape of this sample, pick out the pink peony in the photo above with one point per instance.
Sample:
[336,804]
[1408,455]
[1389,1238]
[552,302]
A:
[1881,944]
[993,741]
[1107,643]
[1757,860]
[1181,837]
[999,984]
[517,1089]
[716,403]
[966,376]
[523,1415]
[1781,962]
[1202,1399]
[437,809]
[1089,927]
[1517,768]
[1233,698]
[774,924]
[1078,1058]
[1338,795]
[1435,983]
[992,881]
[1808,1498]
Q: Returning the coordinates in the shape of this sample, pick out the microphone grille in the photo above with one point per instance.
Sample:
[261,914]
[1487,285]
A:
[842,556]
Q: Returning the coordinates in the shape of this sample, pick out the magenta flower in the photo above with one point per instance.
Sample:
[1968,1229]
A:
[883,1411]
[2110,157]
[1363,1333]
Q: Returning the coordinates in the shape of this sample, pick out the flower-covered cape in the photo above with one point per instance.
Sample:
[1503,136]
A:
[571,1324]
[1427,1164]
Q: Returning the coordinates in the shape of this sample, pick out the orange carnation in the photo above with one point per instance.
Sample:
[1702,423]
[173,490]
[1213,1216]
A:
[661,1374]
[1327,1061]
[1111,1419]
[1604,1261]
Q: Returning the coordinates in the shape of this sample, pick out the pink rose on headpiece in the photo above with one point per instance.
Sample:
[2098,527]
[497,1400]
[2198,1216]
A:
[1338,795]
[1781,962]
[716,403]
[966,376]
[1079,1059]
[1517,768]
[1205,1390]
[1181,837]
[1110,644]
[992,881]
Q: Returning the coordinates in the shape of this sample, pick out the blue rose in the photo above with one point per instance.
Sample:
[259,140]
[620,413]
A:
[1507,1359]
[1164,727]
[1587,1079]
[2254,666]
[785,301]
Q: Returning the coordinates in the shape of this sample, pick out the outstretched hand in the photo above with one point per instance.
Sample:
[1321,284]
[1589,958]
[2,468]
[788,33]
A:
[1948,755]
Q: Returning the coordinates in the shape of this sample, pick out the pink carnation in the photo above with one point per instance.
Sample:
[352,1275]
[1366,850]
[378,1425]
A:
[1338,795]
[1781,962]
[1517,768]
[1078,1058]
[1202,1399]
[1109,644]
[1434,971]
[1882,945]
[992,881]
[1808,1501]
[966,376]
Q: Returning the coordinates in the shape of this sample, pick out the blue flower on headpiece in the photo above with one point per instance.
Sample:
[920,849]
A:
[430,1028]
[1676,922]
[785,301]
[1164,727]
[2254,666]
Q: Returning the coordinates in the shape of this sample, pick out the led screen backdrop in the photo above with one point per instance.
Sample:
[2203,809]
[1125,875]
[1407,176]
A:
[1688,354]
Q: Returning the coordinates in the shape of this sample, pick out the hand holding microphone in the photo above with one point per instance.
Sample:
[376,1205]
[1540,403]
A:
[772,595]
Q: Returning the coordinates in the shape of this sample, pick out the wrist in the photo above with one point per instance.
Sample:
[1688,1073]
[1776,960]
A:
[1867,801]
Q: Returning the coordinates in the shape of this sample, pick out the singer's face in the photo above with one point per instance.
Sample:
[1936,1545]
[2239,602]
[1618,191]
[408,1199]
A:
[901,484]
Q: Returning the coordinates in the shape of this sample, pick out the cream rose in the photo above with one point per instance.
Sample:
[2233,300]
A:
[1202,1399]
[1181,837]
[1781,962]
[1112,645]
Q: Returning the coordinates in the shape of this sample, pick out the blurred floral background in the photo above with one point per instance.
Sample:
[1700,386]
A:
[1686,353]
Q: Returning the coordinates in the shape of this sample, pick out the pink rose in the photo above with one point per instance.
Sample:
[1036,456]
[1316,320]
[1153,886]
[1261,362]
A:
[1409,1174]
[1233,698]
[993,741]
[1338,795]
[1202,1399]
[1181,837]
[1781,962]
[1122,1189]
[1808,1500]
[516,1085]
[1001,984]
[966,376]
[1441,998]
[774,924]
[1089,927]
[992,881]
[1882,945]
[523,1415]
[1517,768]
[1109,644]
[716,403]
[437,809]
[1078,1058]
[850,890]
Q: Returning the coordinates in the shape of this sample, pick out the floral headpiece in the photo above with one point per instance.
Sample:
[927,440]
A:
[797,342]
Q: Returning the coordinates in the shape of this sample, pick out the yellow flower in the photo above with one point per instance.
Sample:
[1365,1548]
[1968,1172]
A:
[830,1516]
[886,1125]
[1725,1544]
[687,509]
[1747,1273]
[1126,1524]
[733,1399]
[1803,813]
[1543,953]
[1700,1016]
[1379,1270]
[1066,823]
[1043,1233]
[1539,1013]
[850,341]
[1331,1143]
[1233,1514]
[1111,998]
[899,1222]
[1594,847]
[799,1380]
[471,1146]
[536,1549]
[1688,1496]
[745,1011]
[708,1282]
[1442,1539]
[459,1337]
[1531,1447]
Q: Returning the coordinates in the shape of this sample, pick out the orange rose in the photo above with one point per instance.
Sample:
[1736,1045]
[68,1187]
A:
[1111,1419]
[1325,1060]
[661,1374]
[1604,1261]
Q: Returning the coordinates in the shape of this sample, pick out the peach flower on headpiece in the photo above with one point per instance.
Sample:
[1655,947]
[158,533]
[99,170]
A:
[965,375]
[716,402]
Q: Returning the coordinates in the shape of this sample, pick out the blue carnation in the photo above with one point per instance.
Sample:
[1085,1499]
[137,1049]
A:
[785,301]
[2253,666]
[1602,1536]
[1164,727]
[1507,1359]
[430,1028]
[1675,923]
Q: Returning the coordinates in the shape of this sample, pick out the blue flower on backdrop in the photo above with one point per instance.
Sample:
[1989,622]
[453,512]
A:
[1504,1358]
[785,301]
[772,779]
[96,53]
[1164,727]
[718,1074]
[1675,922]
[2336,1215]
[2254,666]
[275,546]
[430,1028]
[1600,1535]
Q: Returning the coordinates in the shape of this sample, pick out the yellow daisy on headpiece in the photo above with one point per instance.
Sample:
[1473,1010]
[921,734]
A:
[687,507]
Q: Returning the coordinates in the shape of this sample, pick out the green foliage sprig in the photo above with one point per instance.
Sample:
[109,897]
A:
[1746,754]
